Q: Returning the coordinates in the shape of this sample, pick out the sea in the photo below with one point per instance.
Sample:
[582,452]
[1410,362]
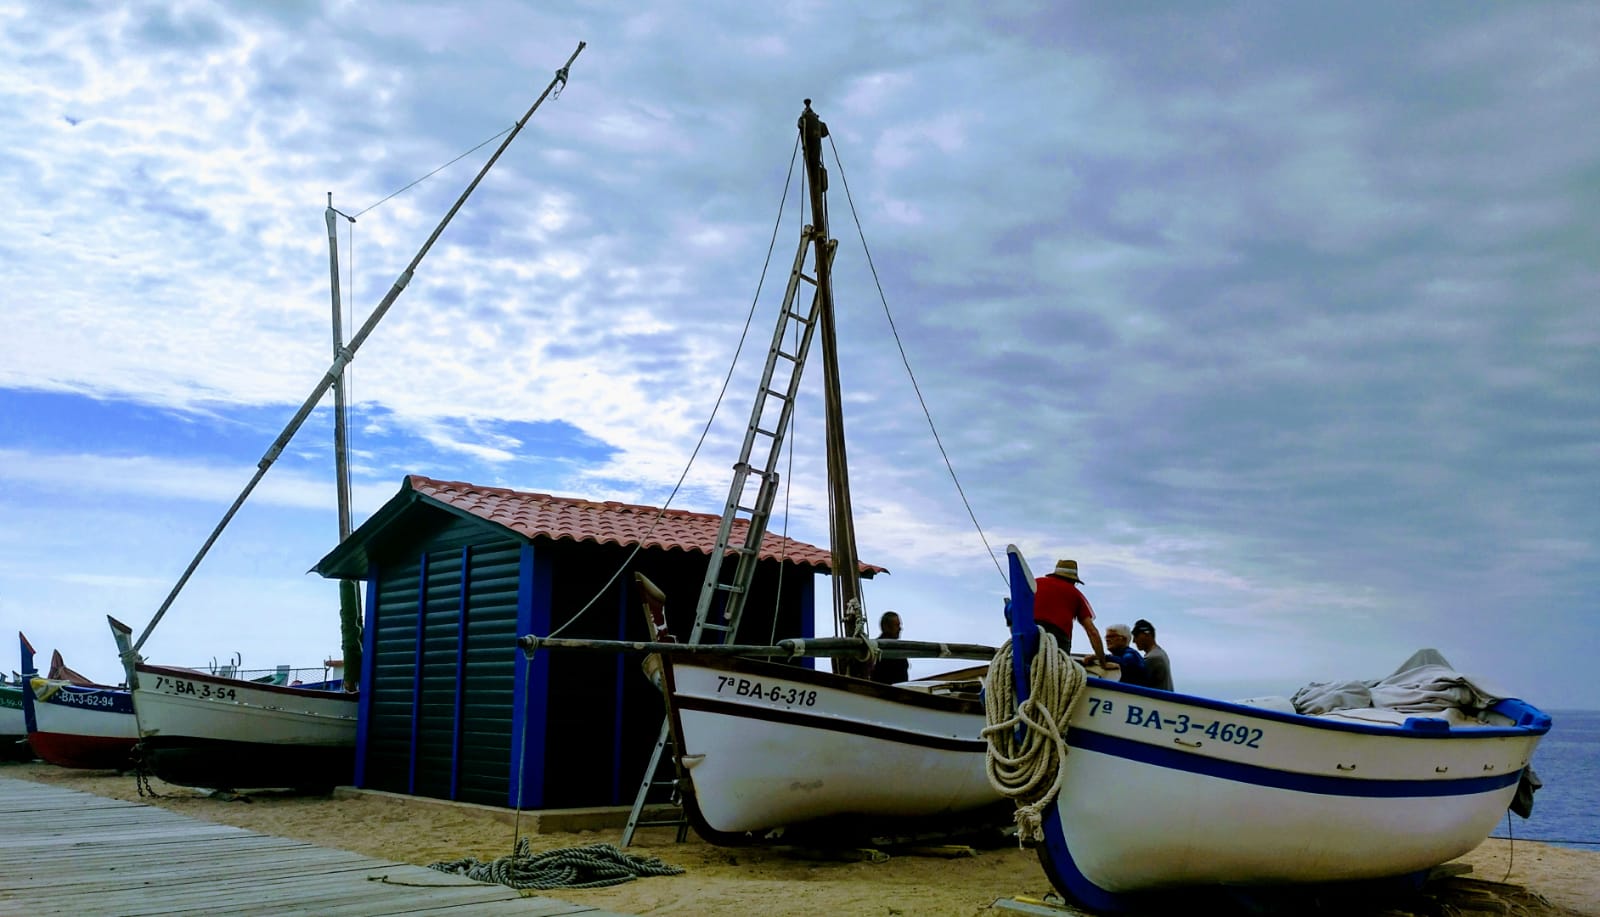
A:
[1566,810]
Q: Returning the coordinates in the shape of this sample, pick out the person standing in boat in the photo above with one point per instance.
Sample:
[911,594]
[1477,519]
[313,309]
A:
[1057,603]
[1157,667]
[1120,651]
[890,671]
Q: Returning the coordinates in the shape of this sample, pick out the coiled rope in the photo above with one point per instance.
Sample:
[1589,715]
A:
[1030,768]
[590,866]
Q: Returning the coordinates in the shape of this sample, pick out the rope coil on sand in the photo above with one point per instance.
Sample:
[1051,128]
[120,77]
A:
[590,866]
[1031,769]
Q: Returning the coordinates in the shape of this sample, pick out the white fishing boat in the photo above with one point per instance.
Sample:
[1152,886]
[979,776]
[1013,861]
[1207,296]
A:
[13,724]
[767,746]
[1161,790]
[765,749]
[72,722]
[212,730]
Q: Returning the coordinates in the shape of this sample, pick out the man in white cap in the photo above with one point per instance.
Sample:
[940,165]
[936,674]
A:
[1057,603]
[1118,650]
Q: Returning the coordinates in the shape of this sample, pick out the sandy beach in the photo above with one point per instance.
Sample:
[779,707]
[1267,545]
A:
[1529,879]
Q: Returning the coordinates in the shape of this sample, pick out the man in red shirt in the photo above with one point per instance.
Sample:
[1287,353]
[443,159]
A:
[1057,603]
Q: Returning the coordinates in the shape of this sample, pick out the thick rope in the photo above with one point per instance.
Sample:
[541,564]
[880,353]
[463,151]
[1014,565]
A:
[1031,769]
[590,866]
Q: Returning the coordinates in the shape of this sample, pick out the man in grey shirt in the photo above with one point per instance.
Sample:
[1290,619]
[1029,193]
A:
[1157,668]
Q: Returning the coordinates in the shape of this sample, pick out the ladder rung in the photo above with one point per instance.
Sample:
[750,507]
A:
[729,587]
[800,317]
[807,278]
[792,358]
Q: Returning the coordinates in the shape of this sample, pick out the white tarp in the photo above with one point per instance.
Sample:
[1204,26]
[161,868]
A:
[1424,683]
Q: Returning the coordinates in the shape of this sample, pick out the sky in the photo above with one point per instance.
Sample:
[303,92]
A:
[1279,319]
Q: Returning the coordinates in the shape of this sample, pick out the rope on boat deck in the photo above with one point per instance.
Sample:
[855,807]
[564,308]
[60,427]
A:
[1030,768]
[589,866]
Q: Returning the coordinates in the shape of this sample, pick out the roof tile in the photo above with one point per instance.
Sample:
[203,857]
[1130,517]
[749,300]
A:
[535,515]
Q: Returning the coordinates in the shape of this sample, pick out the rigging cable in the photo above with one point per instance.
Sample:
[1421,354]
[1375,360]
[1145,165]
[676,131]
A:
[722,393]
[434,172]
[907,362]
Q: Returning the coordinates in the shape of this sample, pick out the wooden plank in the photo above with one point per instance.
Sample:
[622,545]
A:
[80,854]
[531,906]
[239,863]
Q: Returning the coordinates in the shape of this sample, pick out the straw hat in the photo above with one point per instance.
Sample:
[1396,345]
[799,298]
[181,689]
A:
[1067,569]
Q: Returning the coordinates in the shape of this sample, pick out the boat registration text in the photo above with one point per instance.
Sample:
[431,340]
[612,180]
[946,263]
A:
[202,690]
[1177,723]
[754,690]
[84,699]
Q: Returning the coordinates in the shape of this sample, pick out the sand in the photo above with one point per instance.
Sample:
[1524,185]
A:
[1531,879]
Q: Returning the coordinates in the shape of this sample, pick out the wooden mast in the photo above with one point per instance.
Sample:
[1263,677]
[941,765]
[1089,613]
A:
[350,642]
[847,610]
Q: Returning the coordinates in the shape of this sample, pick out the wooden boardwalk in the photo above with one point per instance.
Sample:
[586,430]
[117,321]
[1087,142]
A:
[69,853]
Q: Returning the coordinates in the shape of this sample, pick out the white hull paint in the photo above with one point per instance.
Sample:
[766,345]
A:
[12,722]
[1166,790]
[69,710]
[169,703]
[769,746]
[82,726]
[205,730]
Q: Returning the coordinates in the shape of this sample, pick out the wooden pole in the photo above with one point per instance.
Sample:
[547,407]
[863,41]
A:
[344,356]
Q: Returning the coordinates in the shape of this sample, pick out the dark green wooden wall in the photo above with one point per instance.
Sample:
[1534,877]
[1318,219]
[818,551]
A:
[443,669]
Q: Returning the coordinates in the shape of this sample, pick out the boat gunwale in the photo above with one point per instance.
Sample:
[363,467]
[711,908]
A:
[192,675]
[1315,721]
[915,697]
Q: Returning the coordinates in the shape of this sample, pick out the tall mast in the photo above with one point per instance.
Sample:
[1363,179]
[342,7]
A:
[341,432]
[350,642]
[847,610]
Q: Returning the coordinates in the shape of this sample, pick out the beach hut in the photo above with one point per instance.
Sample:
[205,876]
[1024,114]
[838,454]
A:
[455,572]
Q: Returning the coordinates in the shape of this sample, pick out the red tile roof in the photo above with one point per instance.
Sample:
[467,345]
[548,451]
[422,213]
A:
[535,515]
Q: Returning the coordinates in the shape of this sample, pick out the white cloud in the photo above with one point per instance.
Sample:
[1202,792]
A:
[1278,326]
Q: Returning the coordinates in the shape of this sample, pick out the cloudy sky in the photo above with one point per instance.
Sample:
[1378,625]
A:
[1280,320]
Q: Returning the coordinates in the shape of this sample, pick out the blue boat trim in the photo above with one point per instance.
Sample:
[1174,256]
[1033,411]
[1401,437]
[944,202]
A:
[1256,775]
[1065,875]
[1528,720]
[100,700]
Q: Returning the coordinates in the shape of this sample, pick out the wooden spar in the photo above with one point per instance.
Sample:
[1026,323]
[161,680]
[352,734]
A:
[847,610]
[341,434]
[350,643]
[822,646]
[346,354]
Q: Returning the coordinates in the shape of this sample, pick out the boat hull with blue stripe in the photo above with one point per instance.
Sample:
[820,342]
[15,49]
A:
[1165,790]
[1161,792]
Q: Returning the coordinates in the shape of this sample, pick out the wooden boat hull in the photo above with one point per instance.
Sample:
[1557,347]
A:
[209,731]
[1166,790]
[82,726]
[769,747]
[13,725]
